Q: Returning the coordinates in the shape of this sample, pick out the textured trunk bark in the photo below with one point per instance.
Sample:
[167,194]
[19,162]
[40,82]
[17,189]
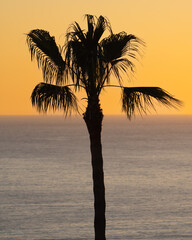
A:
[93,118]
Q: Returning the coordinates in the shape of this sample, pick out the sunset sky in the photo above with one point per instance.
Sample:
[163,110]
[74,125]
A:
[164,25]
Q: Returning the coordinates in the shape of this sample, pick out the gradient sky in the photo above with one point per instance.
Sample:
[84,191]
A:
[165,26]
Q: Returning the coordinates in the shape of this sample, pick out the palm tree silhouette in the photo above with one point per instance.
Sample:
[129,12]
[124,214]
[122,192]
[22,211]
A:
[86,62]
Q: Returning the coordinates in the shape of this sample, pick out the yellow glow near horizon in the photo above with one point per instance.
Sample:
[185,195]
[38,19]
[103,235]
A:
[164,25]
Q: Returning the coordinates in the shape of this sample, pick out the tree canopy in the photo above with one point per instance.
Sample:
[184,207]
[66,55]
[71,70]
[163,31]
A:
[87,61]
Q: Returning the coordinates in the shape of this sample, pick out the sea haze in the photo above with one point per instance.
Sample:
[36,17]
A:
[46,178]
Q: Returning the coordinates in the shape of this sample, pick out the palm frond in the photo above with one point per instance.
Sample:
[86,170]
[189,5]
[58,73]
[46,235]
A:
[118,49]
[75,32]
[123,64]
[90,25]
[51,97]
[120,66]
[44,48]
[142,98]
[118,45]
[101,26]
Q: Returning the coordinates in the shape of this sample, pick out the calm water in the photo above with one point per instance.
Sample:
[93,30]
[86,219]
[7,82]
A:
[46,185]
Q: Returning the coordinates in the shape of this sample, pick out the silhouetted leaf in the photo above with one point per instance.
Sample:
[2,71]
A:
[47,96]
[118,49]
[101,26]
[43,47]
[118,45]
[142,98]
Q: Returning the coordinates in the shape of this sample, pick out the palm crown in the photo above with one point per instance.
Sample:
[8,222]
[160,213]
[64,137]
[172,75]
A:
[87,61]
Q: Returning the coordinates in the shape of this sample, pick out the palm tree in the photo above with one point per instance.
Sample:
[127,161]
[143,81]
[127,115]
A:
[86,62]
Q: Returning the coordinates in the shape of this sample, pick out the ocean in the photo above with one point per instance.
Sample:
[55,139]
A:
[46,178]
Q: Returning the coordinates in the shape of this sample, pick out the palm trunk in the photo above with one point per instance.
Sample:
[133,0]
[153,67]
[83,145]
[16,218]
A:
[93,118]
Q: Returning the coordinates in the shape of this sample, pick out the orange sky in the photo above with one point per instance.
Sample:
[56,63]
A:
[165,26]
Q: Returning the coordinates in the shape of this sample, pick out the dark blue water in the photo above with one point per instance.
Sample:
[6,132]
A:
[46,185]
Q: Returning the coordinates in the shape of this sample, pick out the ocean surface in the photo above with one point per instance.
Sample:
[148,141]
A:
[46,180]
